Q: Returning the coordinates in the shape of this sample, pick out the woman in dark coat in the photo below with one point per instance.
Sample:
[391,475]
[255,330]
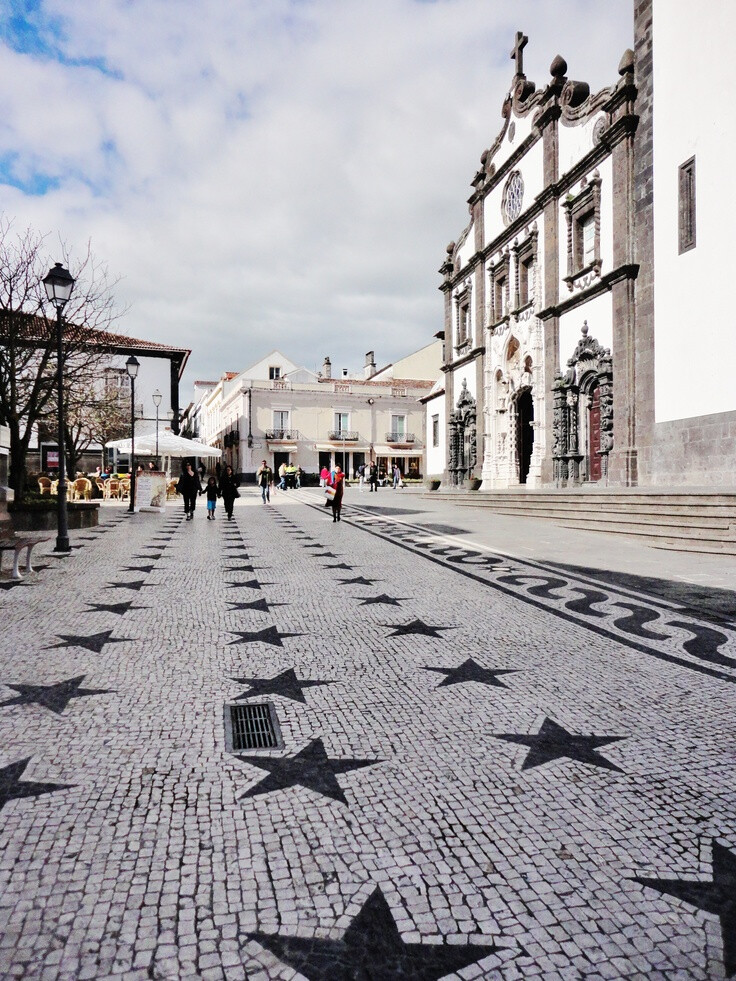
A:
[229,484]
[189,487]
[338,482]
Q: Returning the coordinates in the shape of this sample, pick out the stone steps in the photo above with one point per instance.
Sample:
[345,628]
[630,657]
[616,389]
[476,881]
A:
[693,522]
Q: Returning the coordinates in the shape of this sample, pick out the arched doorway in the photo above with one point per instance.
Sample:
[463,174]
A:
[524,432]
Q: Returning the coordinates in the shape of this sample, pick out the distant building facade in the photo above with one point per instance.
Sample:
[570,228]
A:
[284,413]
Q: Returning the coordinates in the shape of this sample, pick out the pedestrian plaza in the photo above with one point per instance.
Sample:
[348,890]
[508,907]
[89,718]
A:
[479,749]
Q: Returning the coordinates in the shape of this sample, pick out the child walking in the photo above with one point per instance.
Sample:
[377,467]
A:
[212,492]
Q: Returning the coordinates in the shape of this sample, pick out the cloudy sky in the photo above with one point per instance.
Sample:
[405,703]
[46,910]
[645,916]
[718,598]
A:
[271,173]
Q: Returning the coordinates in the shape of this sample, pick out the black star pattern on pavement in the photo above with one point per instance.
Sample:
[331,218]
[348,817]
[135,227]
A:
[13,788]
[139,568]
[383,598]
[54,697]
[261,605]
[371,947]
[119,608]
[342,565]
[94,642]
[470,670]
[149,558]
[415,627]
[13,583]
[357,581]
[269,635]
[246,568]
[717,897]
[310,768]
[552,742]
[285,684]
[136,585]
[251,584]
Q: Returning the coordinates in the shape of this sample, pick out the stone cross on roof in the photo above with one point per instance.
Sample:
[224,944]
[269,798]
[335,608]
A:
[517,52]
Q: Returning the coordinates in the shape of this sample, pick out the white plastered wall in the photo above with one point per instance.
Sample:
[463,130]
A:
[695,345]
[436,455]
[599,314]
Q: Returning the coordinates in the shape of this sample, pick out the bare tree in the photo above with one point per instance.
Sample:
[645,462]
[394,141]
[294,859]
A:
[28,363]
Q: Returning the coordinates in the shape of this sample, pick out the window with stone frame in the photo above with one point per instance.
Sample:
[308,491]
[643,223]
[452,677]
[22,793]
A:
[583,214]
[686,206]
[499,291]
[526,258]
[435,430]
[463,326]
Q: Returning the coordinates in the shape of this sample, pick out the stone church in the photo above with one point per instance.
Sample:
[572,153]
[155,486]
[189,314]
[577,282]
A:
[566,359]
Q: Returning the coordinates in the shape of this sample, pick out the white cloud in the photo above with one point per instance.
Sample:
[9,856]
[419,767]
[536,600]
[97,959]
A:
[283,173]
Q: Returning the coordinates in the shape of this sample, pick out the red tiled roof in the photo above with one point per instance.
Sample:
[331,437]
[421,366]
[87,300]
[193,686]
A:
[40,329]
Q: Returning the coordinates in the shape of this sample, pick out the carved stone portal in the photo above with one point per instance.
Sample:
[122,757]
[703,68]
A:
[582,428]
[463,438]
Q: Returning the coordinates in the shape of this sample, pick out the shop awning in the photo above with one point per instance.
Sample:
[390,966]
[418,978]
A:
[349,445]
[278,447]
[381,449]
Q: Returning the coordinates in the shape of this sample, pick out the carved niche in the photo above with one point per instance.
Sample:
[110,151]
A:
[588,380]
[463,438]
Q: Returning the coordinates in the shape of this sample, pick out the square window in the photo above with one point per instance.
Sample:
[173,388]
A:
[341,422]
[274,372]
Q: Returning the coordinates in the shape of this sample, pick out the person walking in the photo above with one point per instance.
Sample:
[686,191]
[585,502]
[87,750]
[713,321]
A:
[361,477]
[229,484]
[264,476]
[338,482]
[397,476]
[282,477]
[373,477]
[189,486]
[212,491]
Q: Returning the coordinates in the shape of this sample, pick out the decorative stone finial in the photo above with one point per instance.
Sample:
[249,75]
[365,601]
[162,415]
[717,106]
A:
[558,68]
[450,248]
[585,328]
[483,158]
[626,65]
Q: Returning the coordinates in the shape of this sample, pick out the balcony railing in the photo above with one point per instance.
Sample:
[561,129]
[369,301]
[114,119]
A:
[280,384]
[399,437]
[282,434]
[342,435]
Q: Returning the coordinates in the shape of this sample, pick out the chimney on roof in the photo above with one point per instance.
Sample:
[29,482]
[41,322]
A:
[370,364]
[344,372]
[327,368]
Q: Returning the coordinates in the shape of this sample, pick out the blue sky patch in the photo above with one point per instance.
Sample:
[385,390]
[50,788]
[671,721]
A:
[28,29]
[33,182]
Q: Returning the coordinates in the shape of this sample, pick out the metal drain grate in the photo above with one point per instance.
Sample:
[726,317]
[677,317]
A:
[251,727]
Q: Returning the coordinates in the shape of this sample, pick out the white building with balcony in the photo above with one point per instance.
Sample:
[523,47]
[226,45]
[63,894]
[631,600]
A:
[284,413]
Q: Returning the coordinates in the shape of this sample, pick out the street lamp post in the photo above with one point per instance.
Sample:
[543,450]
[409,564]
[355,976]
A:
[131,366]
[59,283]
[157,403]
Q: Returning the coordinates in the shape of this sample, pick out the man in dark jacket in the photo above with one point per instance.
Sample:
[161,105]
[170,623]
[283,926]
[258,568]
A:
[189,487]
[373,477]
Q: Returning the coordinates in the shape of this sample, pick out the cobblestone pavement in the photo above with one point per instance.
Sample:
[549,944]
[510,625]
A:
[487,766]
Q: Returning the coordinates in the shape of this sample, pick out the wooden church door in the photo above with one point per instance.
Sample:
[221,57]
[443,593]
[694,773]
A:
[594,436]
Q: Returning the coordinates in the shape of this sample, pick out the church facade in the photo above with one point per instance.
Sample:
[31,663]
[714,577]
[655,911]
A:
[556,371]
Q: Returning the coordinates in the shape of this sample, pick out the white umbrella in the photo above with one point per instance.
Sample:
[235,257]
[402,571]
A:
[169,444]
